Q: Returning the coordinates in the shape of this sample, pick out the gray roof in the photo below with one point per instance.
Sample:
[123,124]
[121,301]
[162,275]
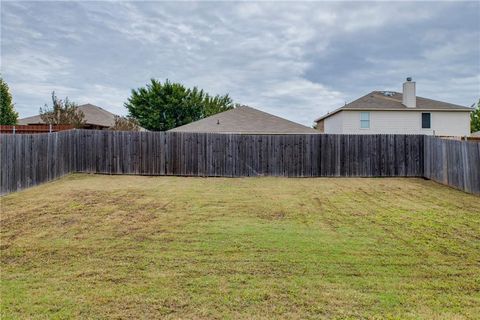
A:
[392,101]
[475,134]
[245,119]
[93,115]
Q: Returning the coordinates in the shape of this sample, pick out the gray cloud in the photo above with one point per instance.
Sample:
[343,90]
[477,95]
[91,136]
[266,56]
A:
[296,60]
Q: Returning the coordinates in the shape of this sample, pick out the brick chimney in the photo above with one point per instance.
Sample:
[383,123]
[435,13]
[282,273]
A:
[409,95]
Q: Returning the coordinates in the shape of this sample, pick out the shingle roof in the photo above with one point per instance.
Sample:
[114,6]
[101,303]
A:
[93,115]
[390,100]
[245,119]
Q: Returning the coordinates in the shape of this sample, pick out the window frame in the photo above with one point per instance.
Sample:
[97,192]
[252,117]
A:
[362,120]
[429,120]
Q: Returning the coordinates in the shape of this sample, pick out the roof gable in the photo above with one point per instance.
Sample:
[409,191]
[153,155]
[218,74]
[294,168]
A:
[93,115]
[97,116]
[245,119]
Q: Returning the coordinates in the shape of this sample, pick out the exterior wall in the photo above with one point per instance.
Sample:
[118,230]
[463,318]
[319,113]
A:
[400,122]
[334,123]
[320,126]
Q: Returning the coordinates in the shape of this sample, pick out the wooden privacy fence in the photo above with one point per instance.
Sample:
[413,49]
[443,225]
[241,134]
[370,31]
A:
[237,155]
[17,129]
[454,163]
[30,159]
[27,160]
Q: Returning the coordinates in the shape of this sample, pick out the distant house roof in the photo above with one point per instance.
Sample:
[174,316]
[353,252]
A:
[93,116]
[245,119]
[475,134]
[392,101]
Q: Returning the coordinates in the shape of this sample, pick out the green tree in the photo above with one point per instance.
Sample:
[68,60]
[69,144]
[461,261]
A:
[163,106]
[475,118]
[8,116]
[62,112]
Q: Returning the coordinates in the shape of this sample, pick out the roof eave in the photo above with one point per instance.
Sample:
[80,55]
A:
[329,114]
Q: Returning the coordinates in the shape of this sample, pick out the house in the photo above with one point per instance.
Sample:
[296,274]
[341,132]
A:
[245,119]
[95,118]
[391,112]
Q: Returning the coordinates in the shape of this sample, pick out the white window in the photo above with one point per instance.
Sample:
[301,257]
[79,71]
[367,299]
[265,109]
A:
[365,120]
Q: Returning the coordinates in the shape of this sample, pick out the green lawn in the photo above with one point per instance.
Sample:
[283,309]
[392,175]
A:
[93,246]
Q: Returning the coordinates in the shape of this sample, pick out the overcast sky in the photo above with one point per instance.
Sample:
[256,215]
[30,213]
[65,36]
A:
[295,60]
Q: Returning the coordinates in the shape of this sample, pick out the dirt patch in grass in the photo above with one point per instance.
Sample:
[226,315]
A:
[92,246]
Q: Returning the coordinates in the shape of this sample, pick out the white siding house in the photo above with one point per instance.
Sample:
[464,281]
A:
[390,112]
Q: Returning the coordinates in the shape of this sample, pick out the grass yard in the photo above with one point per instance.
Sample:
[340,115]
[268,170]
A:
[93,246]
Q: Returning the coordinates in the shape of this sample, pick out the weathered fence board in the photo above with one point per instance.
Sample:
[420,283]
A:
[30,159]
[454,163]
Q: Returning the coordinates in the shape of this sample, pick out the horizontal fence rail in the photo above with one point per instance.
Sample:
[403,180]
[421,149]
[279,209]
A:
[28,160]
[18,129]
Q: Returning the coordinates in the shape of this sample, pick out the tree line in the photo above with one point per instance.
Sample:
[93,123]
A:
[156,107]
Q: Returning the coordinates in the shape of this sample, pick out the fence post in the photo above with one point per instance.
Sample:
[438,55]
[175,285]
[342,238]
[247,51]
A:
[13,129]
[50,128]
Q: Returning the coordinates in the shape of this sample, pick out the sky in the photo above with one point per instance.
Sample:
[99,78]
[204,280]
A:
[297,60]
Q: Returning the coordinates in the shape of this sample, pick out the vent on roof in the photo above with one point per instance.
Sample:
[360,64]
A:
[388,93]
